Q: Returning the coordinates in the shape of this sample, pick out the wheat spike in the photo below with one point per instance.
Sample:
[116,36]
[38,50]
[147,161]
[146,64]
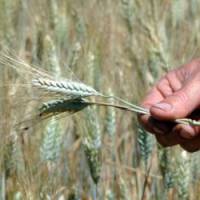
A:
[165,165]
[92,144]
[62,105]
[50,56]
[183,176]
[124,191]
[127,11]
[51,145]
[146,143]
[75,55]
[71,89]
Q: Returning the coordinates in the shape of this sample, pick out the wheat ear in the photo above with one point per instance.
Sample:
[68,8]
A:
[71,89]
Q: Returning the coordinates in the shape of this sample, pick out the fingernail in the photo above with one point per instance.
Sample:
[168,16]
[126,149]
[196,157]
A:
[163,106]
[187,132]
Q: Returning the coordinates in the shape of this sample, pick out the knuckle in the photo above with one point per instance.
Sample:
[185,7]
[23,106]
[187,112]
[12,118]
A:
[143,120]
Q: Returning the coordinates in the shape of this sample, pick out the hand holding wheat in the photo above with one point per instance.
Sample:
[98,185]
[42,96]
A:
[175,96]
[178,90]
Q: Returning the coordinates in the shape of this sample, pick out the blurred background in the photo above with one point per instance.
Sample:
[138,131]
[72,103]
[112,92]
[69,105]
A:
[118,47]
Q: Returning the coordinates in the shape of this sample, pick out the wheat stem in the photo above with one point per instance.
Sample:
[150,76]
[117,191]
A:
[137,110]
[140,110]
[134,107]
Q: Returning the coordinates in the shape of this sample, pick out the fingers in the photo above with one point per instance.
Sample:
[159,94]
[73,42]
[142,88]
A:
[160,127]
[191,145]
[163,89]
[170,139]
[187,131]
[169,134]
[154,126]
[163,131]
[188,137]
[175,96]
[178,105]
[153,97]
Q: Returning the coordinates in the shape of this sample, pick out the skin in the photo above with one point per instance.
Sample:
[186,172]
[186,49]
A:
[176,95]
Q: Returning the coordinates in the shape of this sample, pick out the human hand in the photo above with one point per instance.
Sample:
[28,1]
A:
[176,95]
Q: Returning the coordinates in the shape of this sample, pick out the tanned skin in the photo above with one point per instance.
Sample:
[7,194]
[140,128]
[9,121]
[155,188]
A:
[176,95]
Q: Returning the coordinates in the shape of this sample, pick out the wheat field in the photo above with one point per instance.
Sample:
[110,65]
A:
[116,48]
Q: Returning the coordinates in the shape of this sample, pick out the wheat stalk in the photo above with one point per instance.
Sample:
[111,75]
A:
[111,120]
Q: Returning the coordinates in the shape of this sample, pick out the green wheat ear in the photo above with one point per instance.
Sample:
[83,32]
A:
[51,145]
[124,191]
[75,55]
[92,144]
[166,167]
[146,143]
[50,57]
[183,176]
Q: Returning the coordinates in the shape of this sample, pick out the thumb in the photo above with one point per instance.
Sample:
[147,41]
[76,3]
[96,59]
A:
[180,104]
